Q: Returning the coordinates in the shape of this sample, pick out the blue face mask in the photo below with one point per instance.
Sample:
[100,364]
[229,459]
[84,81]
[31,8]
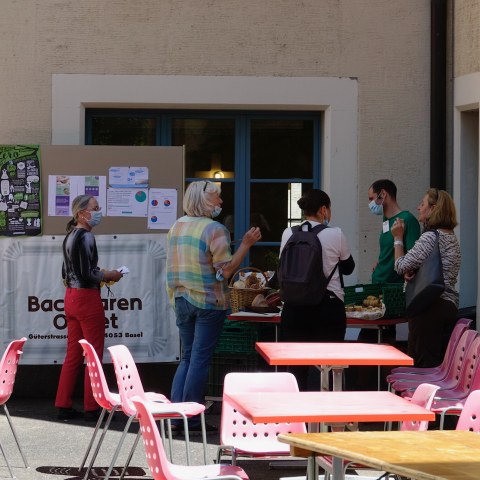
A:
[95,218]
[216,211]
[326,221]
[375,208]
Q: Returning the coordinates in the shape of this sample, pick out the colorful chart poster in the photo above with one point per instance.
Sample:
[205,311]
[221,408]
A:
[20,206]
[162,208]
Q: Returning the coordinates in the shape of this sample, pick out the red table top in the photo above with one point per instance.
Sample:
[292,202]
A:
[272,407]
[347,353]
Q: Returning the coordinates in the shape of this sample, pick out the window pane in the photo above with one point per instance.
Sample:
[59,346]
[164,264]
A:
[272,207]
[281,148]
[264,258]
[123,131]
[210,146]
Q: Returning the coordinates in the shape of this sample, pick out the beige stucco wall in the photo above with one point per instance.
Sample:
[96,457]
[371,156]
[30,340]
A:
[466,37]
[384,44]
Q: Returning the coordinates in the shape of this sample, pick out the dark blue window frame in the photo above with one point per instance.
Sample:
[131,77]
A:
[163,137]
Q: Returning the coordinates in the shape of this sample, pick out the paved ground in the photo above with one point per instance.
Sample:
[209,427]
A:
[54,449]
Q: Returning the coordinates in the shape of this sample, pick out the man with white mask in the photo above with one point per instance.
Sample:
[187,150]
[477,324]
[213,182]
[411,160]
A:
[382,196]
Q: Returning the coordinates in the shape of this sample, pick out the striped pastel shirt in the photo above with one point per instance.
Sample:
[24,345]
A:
[197,248]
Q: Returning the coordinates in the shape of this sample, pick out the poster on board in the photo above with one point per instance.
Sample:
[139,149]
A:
[20,206]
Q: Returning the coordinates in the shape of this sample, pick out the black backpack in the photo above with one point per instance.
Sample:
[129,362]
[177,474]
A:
[300,270]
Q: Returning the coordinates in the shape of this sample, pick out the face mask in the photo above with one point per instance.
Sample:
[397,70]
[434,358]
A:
[375,208]
[216,211]
[95,218]
[326,221]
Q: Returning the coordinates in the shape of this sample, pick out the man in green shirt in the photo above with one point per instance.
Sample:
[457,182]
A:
[383,201]
[382,196]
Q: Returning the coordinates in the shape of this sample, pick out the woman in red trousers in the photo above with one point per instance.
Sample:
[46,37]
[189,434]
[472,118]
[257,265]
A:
[83,305]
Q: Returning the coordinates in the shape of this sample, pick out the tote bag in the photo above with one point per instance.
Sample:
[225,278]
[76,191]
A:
[427,285]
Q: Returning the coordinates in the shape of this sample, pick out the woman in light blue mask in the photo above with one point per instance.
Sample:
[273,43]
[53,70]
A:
[84,310]
[199,262]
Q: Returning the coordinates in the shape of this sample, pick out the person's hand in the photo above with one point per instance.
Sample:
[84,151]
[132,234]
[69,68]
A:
[398,228]
[113,276]
[407,276]
[252,236]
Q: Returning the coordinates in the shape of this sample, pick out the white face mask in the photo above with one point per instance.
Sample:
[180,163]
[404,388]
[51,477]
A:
[216,211]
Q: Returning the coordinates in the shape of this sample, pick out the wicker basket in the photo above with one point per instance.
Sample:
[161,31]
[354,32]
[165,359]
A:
[243,297]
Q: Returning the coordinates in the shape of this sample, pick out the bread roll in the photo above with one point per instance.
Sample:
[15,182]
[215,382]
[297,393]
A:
[259,301]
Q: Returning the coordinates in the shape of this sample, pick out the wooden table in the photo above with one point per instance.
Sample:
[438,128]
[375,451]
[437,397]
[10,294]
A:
[430,455]
[331,356]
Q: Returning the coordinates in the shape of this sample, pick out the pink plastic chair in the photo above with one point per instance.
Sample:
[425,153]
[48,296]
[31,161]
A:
[130,385]
[470,416]
[108,401]
[452,374]
[460,385]
[461,326]
[424,396]
[161,468]
[8,371]
[238,435]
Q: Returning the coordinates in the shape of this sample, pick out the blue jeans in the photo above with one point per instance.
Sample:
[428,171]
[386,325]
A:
[200,331]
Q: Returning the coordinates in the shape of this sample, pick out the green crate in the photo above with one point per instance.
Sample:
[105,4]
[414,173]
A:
[223,364]
[356,294]
[392,296]
[238,337]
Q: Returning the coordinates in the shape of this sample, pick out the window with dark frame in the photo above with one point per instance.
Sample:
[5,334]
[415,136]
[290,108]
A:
[263,161]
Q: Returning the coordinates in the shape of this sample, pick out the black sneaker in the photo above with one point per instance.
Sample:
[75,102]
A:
[68,414]
[92,415]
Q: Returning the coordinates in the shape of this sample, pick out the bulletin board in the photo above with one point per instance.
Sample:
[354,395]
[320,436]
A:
[165,166]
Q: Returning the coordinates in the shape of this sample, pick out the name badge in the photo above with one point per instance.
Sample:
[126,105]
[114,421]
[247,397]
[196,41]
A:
[386,226]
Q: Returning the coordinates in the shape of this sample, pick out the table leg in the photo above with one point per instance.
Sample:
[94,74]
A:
[337,372]
[312,468]
[338,470]
[324,378]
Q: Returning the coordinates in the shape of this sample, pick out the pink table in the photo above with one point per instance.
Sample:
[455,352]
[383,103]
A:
[319,407]
[331,356]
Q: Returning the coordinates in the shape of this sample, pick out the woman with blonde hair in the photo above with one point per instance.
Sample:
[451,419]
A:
[84,310]
[430,331]
[199,262]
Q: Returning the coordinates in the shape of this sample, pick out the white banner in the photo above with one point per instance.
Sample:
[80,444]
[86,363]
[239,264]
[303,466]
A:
[137,314]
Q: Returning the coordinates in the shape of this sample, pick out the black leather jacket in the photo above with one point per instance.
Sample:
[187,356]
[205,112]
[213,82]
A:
[80,258]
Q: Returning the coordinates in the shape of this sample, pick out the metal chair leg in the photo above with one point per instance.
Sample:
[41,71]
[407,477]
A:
[99,444]
[7,414]
[119,446]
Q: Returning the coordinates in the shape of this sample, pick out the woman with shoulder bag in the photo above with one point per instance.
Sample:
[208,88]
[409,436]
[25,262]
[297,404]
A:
[430,330]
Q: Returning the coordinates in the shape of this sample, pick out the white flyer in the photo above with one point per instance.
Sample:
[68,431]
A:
[127,202]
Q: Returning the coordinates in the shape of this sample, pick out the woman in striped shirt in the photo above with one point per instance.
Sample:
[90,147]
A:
[199,262]
[430,331]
